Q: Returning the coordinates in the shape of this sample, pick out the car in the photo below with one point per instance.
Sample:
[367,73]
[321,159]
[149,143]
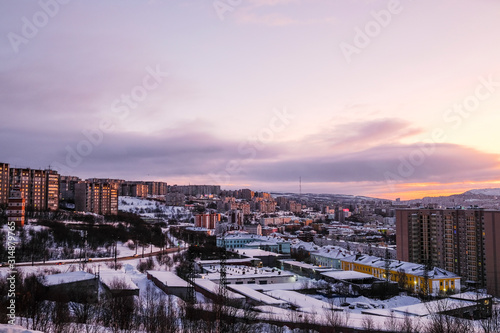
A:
[345,304]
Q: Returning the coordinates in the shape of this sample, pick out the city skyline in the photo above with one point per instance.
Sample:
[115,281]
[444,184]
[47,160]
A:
[378,98]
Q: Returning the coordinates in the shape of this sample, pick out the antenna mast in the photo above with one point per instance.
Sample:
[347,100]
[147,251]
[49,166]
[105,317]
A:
[300,188]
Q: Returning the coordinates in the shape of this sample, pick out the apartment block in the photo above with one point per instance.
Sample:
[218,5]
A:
[462,241]
[4,183]
[134,189]
[99,198]
[195,189]
[52,188]
[40,187]
[156,188]
[17,207]
[67,187]
[207,221]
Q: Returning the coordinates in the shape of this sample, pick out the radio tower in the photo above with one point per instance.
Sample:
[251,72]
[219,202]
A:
[300,189]
[191,295]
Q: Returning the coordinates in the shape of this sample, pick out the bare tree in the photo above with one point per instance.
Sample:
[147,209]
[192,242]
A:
[409,325]
[35,311]
[391,323]
[333,317]
[85,316]
[441,322]
[368,323]
[491,324]
[119,313]
[60,316]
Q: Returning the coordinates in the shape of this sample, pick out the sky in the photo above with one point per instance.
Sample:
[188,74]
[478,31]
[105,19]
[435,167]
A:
[366,97]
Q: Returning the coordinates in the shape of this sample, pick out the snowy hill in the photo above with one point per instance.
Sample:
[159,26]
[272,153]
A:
[485,191]
[153,209]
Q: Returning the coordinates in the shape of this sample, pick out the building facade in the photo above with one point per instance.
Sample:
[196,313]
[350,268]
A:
[16,208]
[207,221]
[410,276]
[98,198]
[462,241]
[40,187]
[4,183]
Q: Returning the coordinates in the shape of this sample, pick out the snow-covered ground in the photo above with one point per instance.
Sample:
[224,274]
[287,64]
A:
[153,209]
[486,191]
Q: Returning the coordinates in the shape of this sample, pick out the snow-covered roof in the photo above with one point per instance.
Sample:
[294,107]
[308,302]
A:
[110,277]
[424,309]
[255,295]
[169,279]
[214,287]
[257,253]
[237,272]
[333,252]
[305,246]
[471,296]
[55,279]
[307,266]
[277,286]
[306,303]
[397,265]
[347,275]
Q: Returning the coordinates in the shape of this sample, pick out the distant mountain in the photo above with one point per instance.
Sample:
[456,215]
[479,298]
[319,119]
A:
[484,191]
[486,198]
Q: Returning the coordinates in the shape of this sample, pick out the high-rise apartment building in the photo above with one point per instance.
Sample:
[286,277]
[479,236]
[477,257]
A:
[99,198]
[67,187]
[134,189]
[4,183]
[40,187]
[207,221]
[17,207]
[195,189]
[156,188]
[52,189]
[462,241]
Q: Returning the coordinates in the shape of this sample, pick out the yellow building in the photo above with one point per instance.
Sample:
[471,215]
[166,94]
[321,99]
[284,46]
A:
[409,276]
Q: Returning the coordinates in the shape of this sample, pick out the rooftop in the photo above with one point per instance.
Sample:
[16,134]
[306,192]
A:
[56,279]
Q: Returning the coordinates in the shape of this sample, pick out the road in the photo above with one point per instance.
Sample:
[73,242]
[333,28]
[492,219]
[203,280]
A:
[94,260]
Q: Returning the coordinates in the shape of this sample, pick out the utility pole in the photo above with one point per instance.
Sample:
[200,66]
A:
[222,292]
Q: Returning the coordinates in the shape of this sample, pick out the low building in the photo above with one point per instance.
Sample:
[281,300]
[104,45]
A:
[118,284]
[330,256]
[254,228]
[414,277]
[248,275]
[80,286]
[303,269]
[212,290]
[170,283]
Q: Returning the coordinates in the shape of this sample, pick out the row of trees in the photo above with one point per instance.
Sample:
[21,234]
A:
[59,241]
